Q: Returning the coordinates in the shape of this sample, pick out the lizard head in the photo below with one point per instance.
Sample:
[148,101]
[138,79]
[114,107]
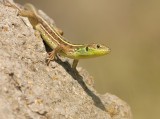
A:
[92,50]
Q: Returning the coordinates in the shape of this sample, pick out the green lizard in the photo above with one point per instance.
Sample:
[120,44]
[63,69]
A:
[52,36]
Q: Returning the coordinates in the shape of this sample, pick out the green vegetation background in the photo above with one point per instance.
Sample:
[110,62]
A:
[131,28]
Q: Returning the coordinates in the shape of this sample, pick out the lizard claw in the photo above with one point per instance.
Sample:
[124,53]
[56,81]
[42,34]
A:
[51,57]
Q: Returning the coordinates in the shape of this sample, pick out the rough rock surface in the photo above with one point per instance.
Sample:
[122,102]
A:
[29,89]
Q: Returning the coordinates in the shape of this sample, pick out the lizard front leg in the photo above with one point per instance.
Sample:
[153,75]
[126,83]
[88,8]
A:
[75,63]
[52,55]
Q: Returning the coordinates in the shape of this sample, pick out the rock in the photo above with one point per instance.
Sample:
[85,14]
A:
[32,90]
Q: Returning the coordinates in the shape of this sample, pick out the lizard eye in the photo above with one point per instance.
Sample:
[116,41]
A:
[86,48]
[98,46]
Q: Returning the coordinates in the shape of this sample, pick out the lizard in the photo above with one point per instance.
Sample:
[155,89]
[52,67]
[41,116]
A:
[54,39]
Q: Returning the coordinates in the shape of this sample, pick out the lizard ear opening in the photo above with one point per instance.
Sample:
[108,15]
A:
[86,48]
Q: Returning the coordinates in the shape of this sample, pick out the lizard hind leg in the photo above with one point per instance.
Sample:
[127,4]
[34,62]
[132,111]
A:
[10,4]
[21,12]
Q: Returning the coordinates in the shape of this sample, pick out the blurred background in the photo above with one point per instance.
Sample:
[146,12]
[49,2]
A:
[131,28]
